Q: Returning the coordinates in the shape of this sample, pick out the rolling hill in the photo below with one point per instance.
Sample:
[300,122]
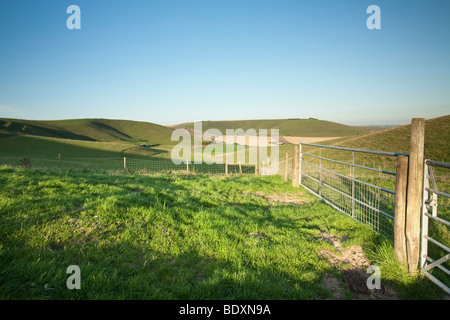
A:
[101,130]
[288,127]
[83,138]
[437,137]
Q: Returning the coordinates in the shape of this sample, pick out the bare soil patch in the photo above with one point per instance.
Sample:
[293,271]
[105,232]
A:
[290,198]
[353,265]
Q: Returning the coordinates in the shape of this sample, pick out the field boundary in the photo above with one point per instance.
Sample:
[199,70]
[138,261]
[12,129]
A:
[129,164]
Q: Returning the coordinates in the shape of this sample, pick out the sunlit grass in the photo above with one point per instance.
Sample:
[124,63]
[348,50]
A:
[169,236]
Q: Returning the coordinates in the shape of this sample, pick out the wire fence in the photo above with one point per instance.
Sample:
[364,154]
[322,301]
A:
[132,165]
[337,176]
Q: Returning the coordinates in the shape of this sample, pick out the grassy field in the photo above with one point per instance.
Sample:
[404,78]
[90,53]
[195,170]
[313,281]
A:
[175,236]
[288,127]
[101,130]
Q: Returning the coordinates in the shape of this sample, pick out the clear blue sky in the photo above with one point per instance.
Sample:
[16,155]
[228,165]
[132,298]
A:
[173,61]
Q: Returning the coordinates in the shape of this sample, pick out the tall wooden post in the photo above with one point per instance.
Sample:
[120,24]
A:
[295,167]
[300,161]
[400,208]
[125,163]
[414,193]
[286,166]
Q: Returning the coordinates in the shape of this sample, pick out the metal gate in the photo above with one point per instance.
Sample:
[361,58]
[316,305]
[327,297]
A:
[430,235]
[364,192]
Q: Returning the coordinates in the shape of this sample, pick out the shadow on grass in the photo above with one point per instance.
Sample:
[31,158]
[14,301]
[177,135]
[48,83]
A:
[147,237]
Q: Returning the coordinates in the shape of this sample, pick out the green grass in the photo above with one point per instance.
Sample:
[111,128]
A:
[437,136]
[287,127]
[173,237]
[102,130]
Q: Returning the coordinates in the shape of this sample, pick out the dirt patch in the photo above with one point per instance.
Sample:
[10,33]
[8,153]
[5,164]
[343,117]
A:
[289,198]
[333,285]
[353,265]
[256,235]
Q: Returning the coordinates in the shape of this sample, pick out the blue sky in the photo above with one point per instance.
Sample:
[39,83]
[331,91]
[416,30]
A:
[173,61]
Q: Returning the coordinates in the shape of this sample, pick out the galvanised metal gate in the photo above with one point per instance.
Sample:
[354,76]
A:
[437,233]
[364,192]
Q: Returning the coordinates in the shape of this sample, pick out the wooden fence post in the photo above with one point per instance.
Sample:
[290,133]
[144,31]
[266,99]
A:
[125,163]
[295,167]
[286,165]
[226,168]
[400,208]
[414,193]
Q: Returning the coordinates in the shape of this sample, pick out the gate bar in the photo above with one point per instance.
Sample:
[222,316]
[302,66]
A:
[385,153]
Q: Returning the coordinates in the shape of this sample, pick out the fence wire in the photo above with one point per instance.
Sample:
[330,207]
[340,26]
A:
[350,185]
[130,165]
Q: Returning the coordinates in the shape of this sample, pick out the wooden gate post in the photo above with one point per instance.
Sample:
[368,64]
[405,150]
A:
[286,165]
[414,193]
[400,208]
[295,167]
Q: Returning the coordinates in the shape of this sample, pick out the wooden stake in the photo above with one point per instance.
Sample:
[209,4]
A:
[414,193]
[400,208]
[286,165]
[295,167]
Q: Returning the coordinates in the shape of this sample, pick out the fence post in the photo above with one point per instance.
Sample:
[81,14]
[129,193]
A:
[286,164]
[295,167]
[125,163]
[414,193]
[353,184]
[426,195]
[320,172]
[240,169]
[59,160]
[400,208]
[300,154]
[226,168]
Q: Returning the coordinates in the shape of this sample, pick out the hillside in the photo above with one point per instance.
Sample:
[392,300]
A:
[102,130]
[288,127]
[437,137]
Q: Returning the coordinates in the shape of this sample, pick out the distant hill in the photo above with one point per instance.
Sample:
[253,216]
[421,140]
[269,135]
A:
[437,139]
[288,127]
[101,130]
